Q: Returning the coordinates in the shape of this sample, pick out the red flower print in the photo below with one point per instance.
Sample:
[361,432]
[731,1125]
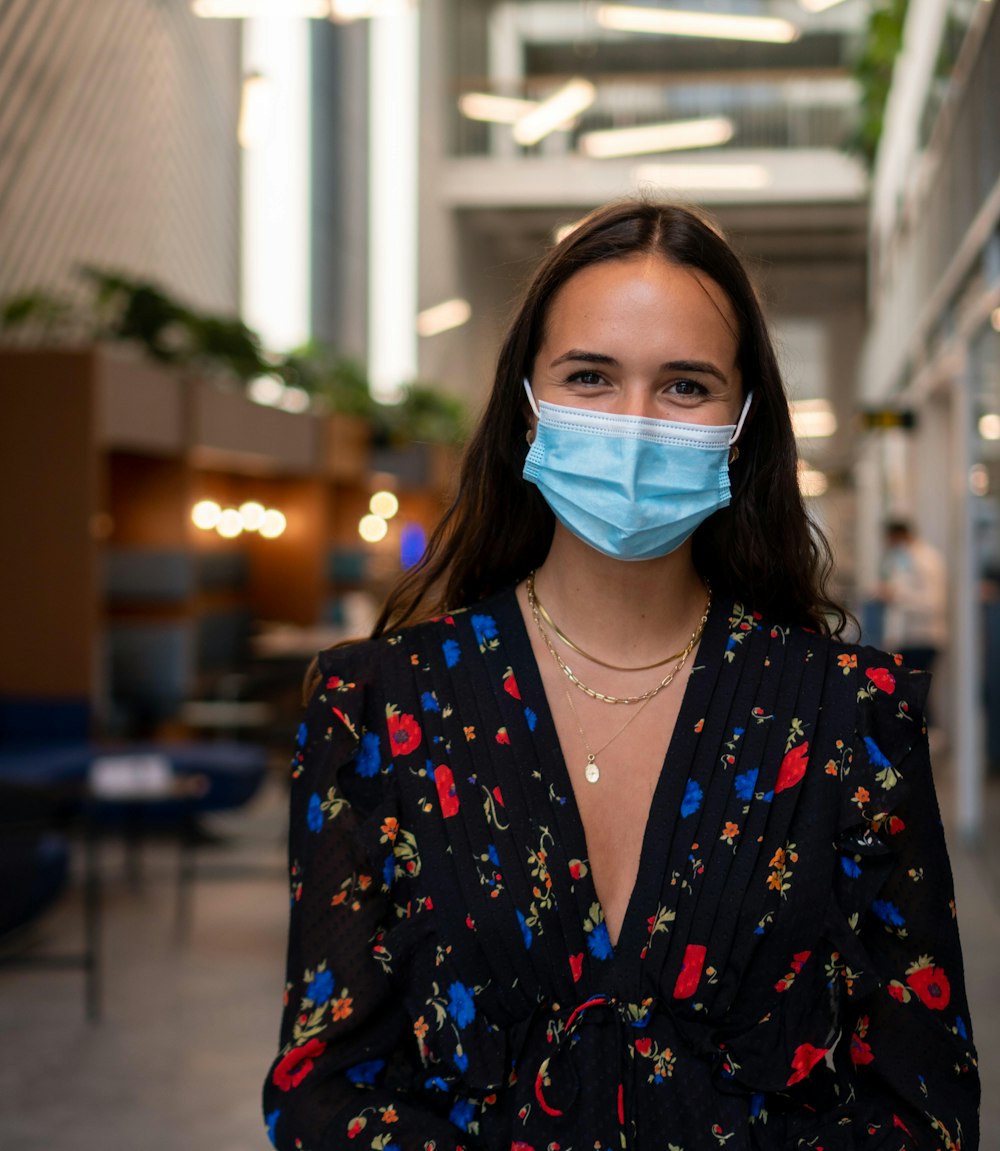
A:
[687,981]
[931,987]
[804,1060]
[297,1064]
[896,825]
[861,1051]
[444,781]
[799,960]
[897,1122]
[498,796]
[898,991]
[793,767]
[404,732]
[643,1046]
[334,681]
[882,678]
[517,1145]
[502,736]
[576,966]
[510,684]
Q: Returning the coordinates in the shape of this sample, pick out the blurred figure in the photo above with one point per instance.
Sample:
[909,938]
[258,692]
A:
[913,589]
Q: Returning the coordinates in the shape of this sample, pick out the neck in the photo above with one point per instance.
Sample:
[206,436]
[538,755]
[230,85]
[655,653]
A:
[627,612]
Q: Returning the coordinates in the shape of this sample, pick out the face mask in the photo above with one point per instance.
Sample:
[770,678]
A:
[633,488]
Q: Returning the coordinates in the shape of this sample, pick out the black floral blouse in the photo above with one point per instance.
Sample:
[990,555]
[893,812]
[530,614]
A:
[788,973]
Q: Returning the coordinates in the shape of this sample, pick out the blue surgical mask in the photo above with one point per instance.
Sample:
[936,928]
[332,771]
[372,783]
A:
[633,488]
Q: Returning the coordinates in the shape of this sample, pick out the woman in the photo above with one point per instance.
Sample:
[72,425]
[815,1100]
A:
[630,852]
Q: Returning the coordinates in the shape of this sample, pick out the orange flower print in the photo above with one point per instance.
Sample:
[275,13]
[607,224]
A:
[729,832]
[847,662]
[390,828]
[861,796]
[389,1115]
[420,1027]
[343,1007]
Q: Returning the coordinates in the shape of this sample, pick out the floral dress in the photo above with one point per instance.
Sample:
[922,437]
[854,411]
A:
[788,973]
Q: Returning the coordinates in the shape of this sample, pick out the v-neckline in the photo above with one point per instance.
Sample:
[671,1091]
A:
[697,689]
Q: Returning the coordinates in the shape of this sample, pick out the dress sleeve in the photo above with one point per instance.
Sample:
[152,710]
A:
[348,1055]
[915,1077]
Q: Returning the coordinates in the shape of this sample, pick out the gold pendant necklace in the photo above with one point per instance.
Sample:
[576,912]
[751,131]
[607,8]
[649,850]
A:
[592,771]
[623,699]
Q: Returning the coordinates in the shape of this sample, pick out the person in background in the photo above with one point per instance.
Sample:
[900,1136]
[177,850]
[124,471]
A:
[914,591]
[604,840]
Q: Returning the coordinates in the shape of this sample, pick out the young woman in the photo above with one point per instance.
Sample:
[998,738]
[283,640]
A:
[627,851]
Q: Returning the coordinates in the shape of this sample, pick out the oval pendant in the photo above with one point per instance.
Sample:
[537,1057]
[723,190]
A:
[592,773]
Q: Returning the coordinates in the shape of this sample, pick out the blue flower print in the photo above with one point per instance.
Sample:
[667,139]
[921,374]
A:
[491,851]
[452,652]
[388,871]
[960,1027]
[525,931]
[744,784]
[484,628]
[530,718]
[365,1072]
[314,813]
[599,942]
[461,1061]
[428,701]
[693,796]
[301,735]
[368,761]
[271,1119]
[888,912]
[322,987]
[461,1006]
[849,867]
[462,1113]
[875,754]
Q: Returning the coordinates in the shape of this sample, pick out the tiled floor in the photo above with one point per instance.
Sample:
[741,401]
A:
[189,1026]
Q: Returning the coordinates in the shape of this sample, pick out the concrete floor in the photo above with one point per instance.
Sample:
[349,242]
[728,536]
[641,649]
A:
[189,1025]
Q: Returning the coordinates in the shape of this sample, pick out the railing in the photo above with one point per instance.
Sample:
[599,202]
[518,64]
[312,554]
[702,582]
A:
[792,112]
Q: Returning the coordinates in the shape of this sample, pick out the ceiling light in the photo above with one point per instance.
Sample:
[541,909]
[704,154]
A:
[372,528]
[704,133]
[294,400]
[443,316]
[273,524]
[709,25]
[494,109]
[735,177]
[383,504]
[812,419]
[557,111]
[247,9]
[812,483]
[230,524]
[266,390]
[979,480]
[995,319]
[819,5]
[989,426]
[253,515]
[206,514]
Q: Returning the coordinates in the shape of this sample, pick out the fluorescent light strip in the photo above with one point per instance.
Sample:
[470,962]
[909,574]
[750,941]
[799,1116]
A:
[442,317]
[721,177]
[247,9]
[675,136]
[812,419]
[558,110]
[819,5]
[709,25]
[494,109]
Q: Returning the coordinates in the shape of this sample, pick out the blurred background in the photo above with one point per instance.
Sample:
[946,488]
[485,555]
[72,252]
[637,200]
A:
[255,260]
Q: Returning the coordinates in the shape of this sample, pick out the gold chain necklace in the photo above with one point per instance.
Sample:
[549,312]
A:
[579,650]
[623,699]
[591,771]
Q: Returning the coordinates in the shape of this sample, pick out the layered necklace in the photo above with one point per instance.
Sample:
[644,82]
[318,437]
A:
[592,771]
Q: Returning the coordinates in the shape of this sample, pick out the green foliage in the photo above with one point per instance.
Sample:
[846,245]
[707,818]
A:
[171,333]
[881,45]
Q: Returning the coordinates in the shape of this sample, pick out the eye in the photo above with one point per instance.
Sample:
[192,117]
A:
[586,376]
[688,388]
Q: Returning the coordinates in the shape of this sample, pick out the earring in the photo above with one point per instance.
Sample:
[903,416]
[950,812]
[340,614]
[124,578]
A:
[734,453]
[529,436]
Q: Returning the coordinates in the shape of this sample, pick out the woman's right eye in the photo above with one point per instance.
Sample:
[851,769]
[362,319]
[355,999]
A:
[586,377]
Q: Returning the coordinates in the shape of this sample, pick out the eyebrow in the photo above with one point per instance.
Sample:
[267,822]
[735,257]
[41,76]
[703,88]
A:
[578,355]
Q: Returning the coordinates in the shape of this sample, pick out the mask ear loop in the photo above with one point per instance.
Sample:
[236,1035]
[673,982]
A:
[531,398]
[734,451]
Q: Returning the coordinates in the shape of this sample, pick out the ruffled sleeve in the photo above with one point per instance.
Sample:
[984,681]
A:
[909,1078]
[347,1065]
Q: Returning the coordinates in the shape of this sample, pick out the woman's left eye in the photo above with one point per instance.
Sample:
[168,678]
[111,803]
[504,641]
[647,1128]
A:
[688,388]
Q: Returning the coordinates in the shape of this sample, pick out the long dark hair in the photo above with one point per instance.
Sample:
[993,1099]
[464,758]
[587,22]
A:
[761,550]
